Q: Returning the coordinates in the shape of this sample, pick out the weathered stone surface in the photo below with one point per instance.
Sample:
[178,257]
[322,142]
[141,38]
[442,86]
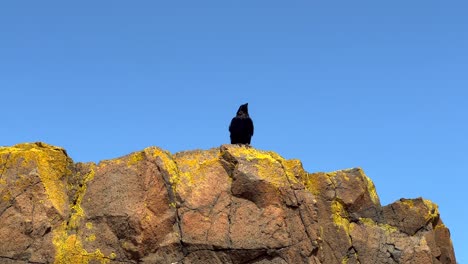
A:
[225,205]
[33,201]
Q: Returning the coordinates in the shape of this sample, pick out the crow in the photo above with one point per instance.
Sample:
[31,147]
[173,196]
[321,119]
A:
[241,127]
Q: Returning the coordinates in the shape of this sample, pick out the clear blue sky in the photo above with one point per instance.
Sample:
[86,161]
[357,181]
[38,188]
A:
[378,84]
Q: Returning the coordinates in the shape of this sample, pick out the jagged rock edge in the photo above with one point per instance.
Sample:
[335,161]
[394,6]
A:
[172,195]
[314,248]
[226,159]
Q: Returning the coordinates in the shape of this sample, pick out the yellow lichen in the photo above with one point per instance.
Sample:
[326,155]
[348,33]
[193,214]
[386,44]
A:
[69,249]
[339,215]
[135,158]
[270,166]
[311,182]
[345,260]
[190,164]
[251,154]
[271,173]
[77,212]
[91,238]
[167,164]
[6,196]
[386,227]
[294,170]
[51,164]
[314,181]
[432,210]
[193,168]
[370,188]
[407,202]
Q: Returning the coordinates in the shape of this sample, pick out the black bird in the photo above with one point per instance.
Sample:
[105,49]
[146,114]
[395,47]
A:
[241,127]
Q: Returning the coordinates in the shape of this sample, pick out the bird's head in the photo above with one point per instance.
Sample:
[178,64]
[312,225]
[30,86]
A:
[243,110]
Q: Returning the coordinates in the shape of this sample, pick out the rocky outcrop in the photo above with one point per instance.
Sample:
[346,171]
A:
[225,205]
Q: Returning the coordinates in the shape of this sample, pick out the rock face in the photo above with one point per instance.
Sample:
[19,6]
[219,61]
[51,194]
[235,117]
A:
[226,205]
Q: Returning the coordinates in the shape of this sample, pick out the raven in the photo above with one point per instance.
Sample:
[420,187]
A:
[241,127]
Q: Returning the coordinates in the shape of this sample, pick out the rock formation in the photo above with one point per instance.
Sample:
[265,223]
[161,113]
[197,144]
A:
[225,205]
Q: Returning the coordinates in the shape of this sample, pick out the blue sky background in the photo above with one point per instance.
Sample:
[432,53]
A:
[378,84]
